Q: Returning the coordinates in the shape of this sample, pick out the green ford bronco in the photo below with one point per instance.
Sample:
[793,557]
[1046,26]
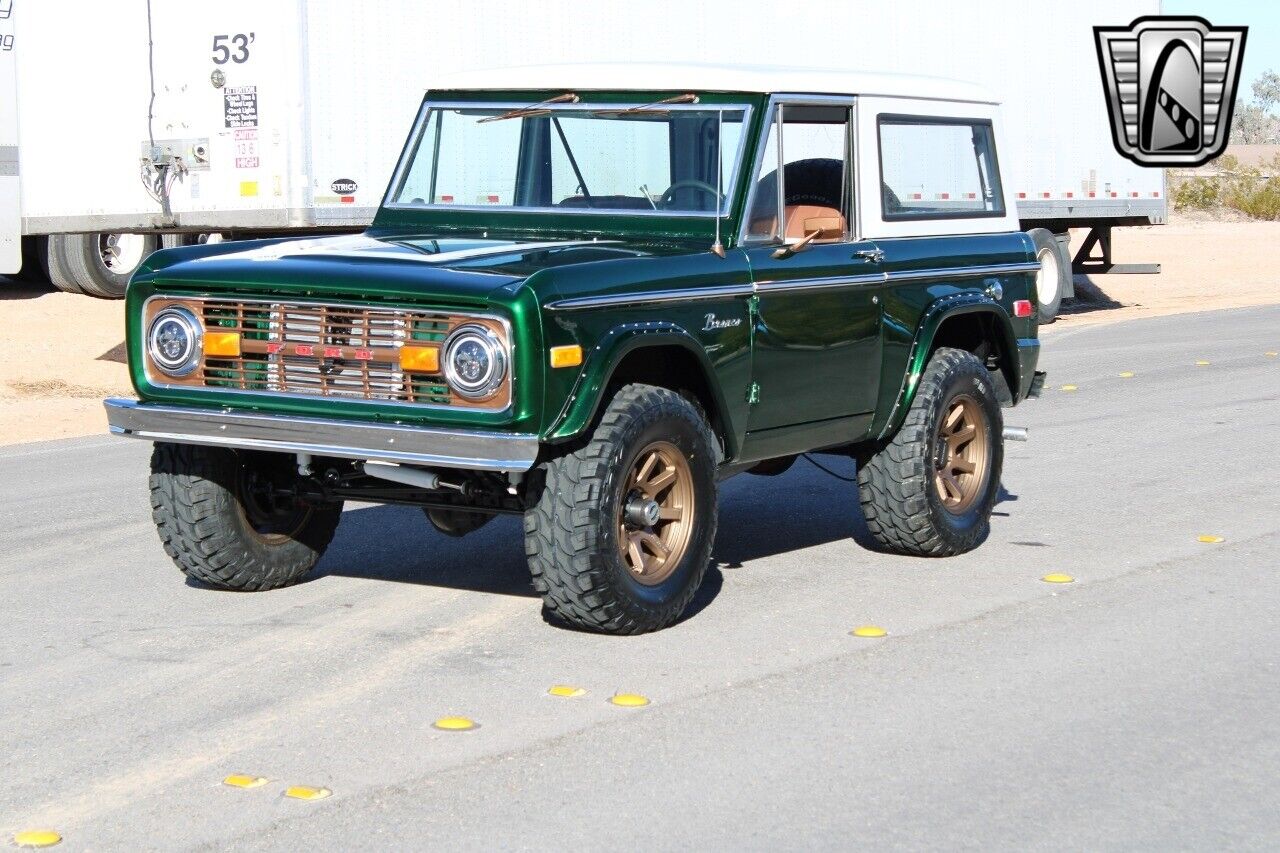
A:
[591,293]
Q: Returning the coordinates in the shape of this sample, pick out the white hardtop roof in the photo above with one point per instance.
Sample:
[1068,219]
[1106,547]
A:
[668,77]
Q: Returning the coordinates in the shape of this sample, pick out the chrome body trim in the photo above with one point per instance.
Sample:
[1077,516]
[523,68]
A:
[786,286]
[238,428]
[727,291]
[806,284]
[160,382]
[950,273]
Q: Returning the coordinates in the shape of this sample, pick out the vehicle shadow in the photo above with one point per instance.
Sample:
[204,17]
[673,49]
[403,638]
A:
[765,516]
[13,289]
[760,517]
[398,544]
[1089,297]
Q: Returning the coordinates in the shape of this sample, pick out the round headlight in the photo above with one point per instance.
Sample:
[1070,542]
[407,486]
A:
[174,341]
[474,362]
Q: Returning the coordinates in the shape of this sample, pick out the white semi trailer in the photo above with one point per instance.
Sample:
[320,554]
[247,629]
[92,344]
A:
[143,123]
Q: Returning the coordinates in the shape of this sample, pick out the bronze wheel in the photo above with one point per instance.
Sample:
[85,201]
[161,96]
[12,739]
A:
[930,489]
[656,513]
[619,538]
[962,454]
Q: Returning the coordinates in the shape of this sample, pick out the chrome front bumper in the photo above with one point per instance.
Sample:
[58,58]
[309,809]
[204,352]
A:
[224,427]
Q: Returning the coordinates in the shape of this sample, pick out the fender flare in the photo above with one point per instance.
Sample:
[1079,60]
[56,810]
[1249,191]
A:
[584,401]
[935,315]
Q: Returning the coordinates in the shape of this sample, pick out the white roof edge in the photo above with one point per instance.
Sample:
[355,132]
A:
[756,79]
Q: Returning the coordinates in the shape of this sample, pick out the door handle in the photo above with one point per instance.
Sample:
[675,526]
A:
[875,256]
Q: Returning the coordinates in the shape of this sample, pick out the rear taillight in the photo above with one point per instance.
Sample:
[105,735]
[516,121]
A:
[1022,308]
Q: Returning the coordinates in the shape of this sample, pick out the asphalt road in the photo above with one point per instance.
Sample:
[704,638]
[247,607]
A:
[1134,708]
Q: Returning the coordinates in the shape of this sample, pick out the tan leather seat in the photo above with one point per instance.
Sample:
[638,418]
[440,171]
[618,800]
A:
[802,220]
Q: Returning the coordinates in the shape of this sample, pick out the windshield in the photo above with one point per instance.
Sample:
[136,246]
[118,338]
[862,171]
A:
[677,159]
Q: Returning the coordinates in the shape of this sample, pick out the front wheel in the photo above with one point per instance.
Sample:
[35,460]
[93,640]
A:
[226,519]
[620,535]
[931,489]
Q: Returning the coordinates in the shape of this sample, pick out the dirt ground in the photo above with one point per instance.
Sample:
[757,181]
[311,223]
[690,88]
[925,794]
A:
[63,353]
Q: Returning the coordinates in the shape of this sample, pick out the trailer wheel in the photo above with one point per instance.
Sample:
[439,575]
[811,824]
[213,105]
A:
[1053,279]
[98,264]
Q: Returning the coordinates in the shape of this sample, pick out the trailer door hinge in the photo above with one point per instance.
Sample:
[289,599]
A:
[753,393]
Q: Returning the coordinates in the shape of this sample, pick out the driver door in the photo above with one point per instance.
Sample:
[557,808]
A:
[816,343]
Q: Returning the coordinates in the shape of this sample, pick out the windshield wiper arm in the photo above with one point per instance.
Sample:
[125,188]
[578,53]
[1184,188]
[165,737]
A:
[533,109]
[689,98]
[573,161]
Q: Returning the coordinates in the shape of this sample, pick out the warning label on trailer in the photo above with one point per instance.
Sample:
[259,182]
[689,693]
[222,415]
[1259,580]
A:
[247,148]
[241,106]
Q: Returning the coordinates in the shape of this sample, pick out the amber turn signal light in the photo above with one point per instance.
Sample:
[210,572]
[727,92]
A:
[420,359]
[1022,308]
[566,356]
[222,344]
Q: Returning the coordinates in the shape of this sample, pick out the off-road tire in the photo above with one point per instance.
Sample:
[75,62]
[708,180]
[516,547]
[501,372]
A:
[200,516]
[571,531]
[902,508]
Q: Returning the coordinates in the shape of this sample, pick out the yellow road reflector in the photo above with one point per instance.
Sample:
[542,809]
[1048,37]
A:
[566,690]
[306,792]
[869,631]
[1210,540]
[1058,577]
[36,838]
[1128,374]
[1271,353]
[629,700]
[1069,388]
[566,356]
[222,344]
[455,724]
[1202,363]
[241,780]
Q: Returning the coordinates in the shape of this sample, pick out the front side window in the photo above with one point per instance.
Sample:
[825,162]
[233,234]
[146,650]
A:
[815,165]
[938,169]
[646,159]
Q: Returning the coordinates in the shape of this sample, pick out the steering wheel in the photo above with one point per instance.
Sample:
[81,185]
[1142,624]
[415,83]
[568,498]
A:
[669,196]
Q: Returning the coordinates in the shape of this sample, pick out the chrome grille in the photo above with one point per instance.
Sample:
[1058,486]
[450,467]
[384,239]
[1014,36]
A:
[325,350]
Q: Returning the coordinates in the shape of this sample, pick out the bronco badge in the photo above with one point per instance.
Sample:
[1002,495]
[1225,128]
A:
[713,322]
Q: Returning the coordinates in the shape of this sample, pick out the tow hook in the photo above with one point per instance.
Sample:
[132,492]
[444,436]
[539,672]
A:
[1012,433]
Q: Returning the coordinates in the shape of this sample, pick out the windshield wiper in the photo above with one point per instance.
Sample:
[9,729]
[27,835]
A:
[573,161]
[689,98]
[533,109]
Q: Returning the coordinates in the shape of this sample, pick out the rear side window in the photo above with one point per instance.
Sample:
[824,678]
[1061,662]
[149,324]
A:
[932,168]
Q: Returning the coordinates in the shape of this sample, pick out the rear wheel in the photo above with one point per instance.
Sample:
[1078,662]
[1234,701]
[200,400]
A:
[931,489]
[226,519]
[620,535]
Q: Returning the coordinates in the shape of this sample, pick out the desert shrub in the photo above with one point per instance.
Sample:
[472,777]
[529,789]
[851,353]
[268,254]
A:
[1252,190]
[1261,200]
[1198,193]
